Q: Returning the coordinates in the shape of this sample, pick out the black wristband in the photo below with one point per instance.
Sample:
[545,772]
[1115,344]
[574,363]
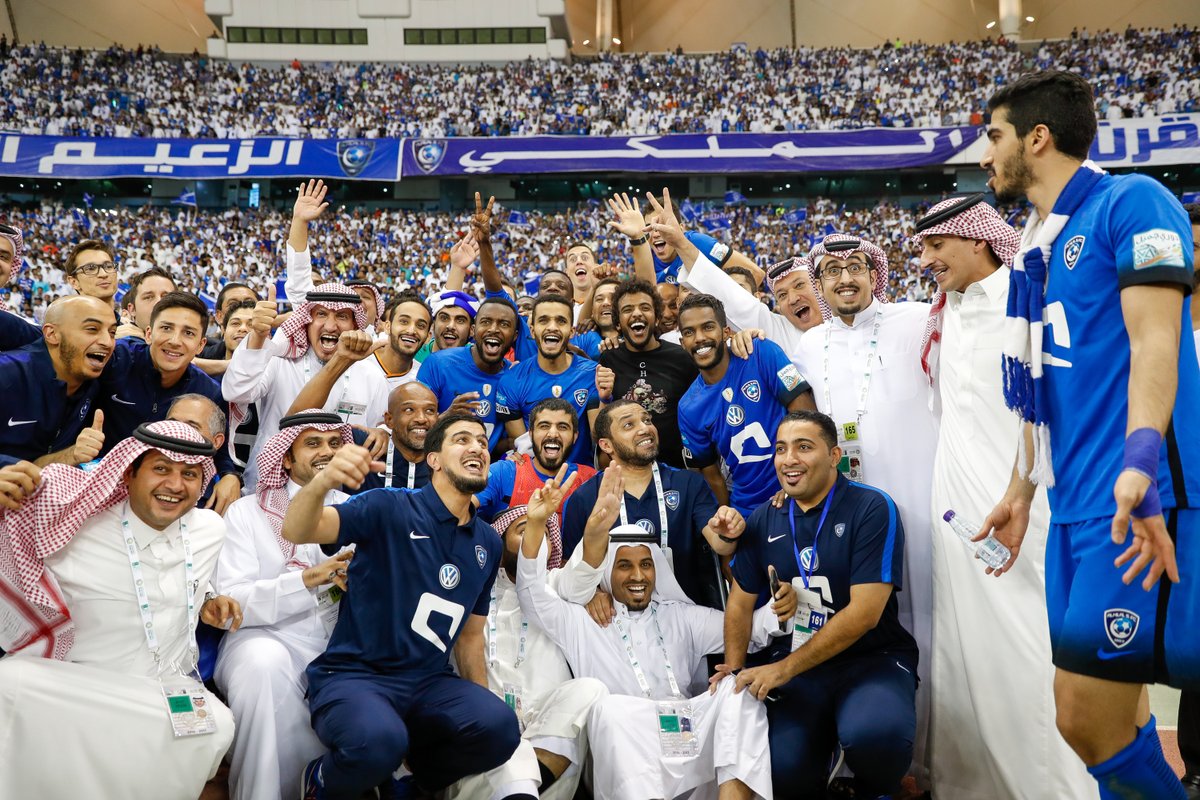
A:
[727,540]
[640,240]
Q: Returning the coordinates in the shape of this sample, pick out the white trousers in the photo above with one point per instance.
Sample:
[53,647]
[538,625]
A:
[68,730]
[261,674]
[556,722]
[627,758]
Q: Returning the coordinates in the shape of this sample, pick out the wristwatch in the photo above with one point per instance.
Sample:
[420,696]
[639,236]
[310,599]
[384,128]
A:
[640,240]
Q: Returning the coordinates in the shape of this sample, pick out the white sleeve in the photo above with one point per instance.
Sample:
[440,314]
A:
[543,607]
[762,625]
[743,309]
[264,601]
[298,279]
[577,580]
[247,377]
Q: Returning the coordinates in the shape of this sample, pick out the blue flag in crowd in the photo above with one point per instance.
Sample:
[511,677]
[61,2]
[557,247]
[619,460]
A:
[87,199]
[1190,197]
[796,216]
[533,282]
[829,228]
[82,219]
[688,211]
[518,218]
[732,198]
[718,223]
[186,198]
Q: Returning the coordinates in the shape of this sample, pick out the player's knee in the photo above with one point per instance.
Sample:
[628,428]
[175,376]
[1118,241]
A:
[374,745]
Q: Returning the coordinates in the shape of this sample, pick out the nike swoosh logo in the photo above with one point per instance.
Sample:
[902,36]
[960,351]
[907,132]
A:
[124,402]
[12,423]
[415,535]
[1103,656]
[775,538]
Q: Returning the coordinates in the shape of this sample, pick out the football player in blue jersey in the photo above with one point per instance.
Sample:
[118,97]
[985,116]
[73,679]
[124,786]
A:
[384,691]
[554,372]
[732,409]
[1102,367]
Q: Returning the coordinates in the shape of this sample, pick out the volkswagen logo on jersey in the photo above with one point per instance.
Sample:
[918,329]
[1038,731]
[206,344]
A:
[735,416]
[646,525]
[1121,625]
[481,555]
[354,155]
[752,391]
[1072,250]
[809,560]
[581,397]
[428,153]
[671,498]
[448,576]
[485,408]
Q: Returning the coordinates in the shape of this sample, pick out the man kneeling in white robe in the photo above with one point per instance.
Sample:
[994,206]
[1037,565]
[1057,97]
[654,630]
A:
[102,578]
[528,670]
[653,737]
[289,596]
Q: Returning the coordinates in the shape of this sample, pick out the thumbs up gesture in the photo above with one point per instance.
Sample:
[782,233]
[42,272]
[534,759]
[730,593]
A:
[264,317]
[90,440]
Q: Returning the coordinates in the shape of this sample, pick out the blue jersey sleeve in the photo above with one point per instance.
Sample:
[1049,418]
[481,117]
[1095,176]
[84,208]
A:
[362,515]
[1150,235]
[715,251]
[16,332]
[698,447]
[700,498]
[430,374]
[747,567]
[589,343]
[574,520]
[778,372]
[509,400]
[878,544]
[494,498]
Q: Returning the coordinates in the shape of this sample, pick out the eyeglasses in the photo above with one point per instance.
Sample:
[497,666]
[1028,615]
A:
[854,268]
[92,269]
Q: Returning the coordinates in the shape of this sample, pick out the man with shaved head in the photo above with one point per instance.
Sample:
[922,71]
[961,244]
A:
[54,382]
[412,410]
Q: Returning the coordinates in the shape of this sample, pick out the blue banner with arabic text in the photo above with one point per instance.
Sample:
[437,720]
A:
[198,159]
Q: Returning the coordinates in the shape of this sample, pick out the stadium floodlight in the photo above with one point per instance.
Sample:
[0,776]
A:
[1029,19]
[616,40]
[990,25]
[586,42]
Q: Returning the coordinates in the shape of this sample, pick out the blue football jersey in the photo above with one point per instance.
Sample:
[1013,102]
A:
[527,384]
[449,373]
[736,419]
[1128,231]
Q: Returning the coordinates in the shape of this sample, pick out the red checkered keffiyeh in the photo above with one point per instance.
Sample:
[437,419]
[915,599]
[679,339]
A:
[779,271]
[976,221]
[18,243]
[273,480]
[873,252]
[375,291]
[295,329]
[47,521]
[553,532]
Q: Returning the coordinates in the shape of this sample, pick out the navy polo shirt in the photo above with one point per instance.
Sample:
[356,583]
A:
[401,469]
[16,332]
[861,541]
[689,504]
[42,418]
[416,576]
[131,392]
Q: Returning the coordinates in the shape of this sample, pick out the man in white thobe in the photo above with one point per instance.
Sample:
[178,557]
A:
[991,641]
[647,658]
[91,657]
[289,598]
[316,348]
[526,668]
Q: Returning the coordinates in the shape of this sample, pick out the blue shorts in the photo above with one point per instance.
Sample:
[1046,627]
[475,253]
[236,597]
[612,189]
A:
[1102,628]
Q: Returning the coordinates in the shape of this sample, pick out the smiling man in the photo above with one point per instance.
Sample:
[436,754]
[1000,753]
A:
[652,373]
[407,321]
[412,410]
[422,575]
[555,372]
[272,372]
[472,374]
[145,290]
[91,270]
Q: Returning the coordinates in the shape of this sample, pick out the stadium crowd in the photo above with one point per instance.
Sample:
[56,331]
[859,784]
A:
[144,92]
[605,505]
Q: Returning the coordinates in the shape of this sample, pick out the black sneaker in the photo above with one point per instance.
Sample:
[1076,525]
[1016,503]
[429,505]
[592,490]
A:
[310,782]
[1191,786]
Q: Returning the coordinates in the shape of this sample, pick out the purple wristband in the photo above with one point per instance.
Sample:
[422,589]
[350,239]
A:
[1141,453]
[1151,505]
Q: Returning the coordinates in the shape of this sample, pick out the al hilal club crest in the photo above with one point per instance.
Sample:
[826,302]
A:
[1120,625]
[581,397]
[428,153]
[354,155]
[671,498]
[752,391]
[481,555]
[1072,250]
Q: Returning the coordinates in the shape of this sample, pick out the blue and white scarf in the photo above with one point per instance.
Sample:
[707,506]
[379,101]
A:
[1024,387]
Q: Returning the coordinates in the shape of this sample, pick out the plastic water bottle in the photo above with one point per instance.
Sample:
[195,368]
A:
[990,550]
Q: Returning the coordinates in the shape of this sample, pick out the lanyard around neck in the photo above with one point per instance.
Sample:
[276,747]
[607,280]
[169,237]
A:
[493,612]
[143,598]
[868,367]
[806,574]
[636,665]
[409,468]
[662,507]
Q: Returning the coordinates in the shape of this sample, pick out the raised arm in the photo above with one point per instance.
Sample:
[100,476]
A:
[462,255]
[353,346]
[308,519]
[310,204]
[481,231]
[631,224]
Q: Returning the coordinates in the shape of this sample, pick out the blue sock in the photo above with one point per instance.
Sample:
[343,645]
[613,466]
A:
[1139,772]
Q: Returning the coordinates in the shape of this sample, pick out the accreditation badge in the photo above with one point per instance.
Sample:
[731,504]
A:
[513,698]
[190,710]
[851,464]
[328,605]
[677,729]
[811,615]
[346,410]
